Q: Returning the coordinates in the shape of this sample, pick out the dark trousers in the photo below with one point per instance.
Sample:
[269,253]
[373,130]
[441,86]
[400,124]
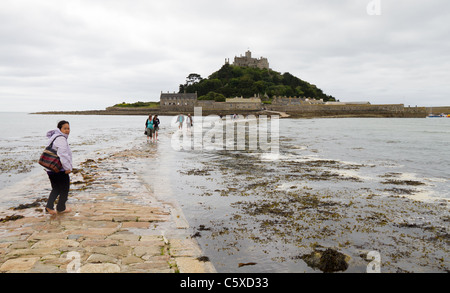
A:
[60,187]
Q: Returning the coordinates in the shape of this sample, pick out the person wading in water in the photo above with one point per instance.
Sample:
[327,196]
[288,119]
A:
[60,181]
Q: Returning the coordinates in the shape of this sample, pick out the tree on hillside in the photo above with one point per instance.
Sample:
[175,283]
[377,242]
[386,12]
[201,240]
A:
[193,78]
[213,96]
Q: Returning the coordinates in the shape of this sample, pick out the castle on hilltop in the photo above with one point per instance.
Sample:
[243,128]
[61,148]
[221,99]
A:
[248,61]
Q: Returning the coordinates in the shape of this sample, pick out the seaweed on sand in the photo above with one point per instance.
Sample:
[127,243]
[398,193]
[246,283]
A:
[11,218]
[327,261]
[403,182]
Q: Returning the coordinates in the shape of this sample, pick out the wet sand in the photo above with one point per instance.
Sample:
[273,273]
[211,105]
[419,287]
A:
[283,212]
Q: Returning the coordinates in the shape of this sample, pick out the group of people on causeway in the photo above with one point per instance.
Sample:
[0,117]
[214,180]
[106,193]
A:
[189,121]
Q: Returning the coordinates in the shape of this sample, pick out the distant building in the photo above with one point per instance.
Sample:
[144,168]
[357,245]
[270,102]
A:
[248,61]
[177,101]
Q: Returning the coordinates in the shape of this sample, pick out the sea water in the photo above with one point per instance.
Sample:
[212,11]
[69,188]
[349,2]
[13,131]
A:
[361,156]
[23,138]
[206,183]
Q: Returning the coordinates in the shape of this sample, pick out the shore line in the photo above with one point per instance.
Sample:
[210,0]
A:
[406,113]
[116,225]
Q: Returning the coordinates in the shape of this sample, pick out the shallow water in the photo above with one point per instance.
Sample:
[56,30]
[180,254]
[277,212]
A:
[23,138]
[350,184]
[356,185]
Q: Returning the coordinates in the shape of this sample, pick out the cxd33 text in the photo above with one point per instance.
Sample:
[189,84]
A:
[246,282]
[228,283]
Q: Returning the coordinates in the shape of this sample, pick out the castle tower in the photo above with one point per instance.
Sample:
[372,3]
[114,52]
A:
[248,61]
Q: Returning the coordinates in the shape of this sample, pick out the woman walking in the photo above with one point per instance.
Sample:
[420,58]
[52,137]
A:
[60,181]
[156,123]
[189,122]
[180,120]
[150,128]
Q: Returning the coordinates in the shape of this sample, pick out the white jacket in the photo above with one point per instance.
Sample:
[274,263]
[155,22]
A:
[61,145]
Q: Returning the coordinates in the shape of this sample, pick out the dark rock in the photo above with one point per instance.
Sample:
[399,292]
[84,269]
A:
[327,261]
[203,258]
[196,234]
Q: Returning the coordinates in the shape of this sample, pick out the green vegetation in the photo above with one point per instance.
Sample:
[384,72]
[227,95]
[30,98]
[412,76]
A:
[232,81]
[213,96]
[138,105]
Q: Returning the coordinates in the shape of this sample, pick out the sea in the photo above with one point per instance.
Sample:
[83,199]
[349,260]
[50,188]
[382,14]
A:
[226,193]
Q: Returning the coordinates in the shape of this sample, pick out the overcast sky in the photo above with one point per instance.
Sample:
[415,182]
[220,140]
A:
[81,55]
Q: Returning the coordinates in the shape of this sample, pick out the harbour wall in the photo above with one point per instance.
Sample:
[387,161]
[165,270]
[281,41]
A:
[294,111]
[437,110]
[363,110]
[304,110]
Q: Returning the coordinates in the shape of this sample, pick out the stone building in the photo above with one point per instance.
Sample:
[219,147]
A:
[248,61]
[177,101]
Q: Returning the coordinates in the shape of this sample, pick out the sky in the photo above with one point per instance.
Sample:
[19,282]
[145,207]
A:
[87,55]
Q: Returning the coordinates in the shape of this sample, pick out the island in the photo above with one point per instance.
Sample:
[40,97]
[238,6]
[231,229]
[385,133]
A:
[250,87]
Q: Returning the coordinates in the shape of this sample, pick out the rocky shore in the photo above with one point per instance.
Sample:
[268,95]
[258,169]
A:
[318,215]
[116,226]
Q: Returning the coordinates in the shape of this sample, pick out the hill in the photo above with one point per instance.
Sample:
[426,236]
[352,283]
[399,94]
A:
[236,81]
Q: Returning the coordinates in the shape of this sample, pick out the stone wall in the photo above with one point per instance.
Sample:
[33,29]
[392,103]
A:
[227,106]
[437,110]
[314,110]
[294,106]
[305,111]
[392,110]
[285,101]
[338,108]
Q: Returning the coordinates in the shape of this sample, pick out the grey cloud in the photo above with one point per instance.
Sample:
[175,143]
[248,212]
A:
[99,53]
